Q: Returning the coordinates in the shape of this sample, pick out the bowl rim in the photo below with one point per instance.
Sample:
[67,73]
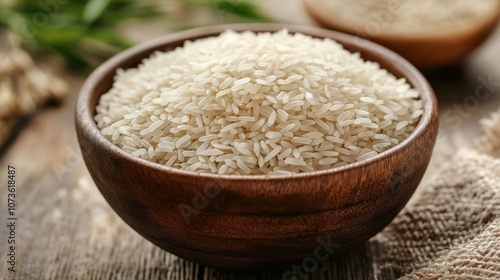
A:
[85,117]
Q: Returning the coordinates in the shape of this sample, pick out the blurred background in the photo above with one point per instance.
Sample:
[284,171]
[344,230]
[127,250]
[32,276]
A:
[48,48]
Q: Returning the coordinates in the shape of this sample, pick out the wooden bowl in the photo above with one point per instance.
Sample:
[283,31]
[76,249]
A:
[435,48]
[249,222]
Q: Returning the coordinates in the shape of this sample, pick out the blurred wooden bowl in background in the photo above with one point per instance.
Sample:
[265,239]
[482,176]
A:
[433,48]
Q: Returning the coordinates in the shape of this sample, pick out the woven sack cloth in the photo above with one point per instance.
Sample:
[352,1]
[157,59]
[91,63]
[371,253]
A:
[453,230]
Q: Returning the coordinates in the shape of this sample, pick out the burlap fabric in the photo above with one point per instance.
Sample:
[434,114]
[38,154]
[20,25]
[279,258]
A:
[453,230]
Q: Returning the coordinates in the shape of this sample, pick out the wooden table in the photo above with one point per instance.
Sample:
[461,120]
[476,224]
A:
[65,229]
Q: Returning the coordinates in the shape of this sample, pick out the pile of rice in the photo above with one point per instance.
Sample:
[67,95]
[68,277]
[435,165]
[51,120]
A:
[266,103]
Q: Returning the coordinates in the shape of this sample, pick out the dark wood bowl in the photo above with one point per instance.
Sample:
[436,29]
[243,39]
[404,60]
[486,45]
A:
[435,48]
[249,222]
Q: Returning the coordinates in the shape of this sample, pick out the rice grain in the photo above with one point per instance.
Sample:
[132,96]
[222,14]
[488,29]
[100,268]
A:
[254,104]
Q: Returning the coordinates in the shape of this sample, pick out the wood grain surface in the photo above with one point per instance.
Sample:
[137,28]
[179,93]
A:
[66,230]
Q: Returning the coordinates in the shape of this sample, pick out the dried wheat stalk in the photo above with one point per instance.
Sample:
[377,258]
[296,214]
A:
[23,86]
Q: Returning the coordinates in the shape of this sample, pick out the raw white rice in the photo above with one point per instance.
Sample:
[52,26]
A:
[266,103]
